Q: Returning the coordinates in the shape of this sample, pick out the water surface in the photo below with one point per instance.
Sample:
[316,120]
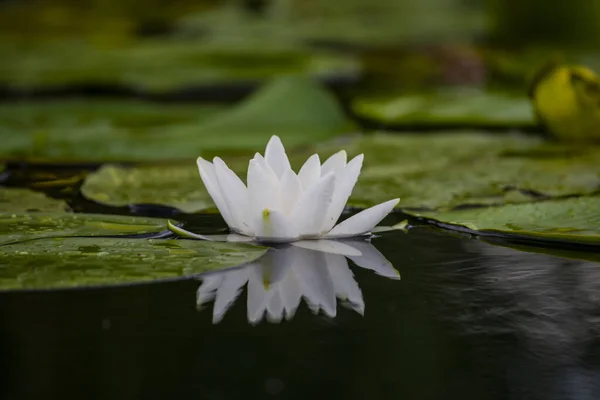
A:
[468,320]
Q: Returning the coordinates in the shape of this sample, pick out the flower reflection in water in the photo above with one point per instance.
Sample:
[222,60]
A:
[315,270]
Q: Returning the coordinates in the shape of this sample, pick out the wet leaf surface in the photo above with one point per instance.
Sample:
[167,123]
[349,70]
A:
[80,262]
[16,227]
[95,130]
[331,22]
[178,186]
[297,109]
[294,108]
[440,171]
[25,200]
[449,108]
[572,219]
[427,171]
[153,66]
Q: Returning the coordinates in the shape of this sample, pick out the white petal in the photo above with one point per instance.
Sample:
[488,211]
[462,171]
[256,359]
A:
[266,167]
[335,162]
[258,294]
[310,172]
[309,212]
[364,221]
[234,237]
[315,281]
[346,288]
[287,284]
[209,177]
[235,194]
[257,303]
[276,157]
[263,189]
[274,226]
[228,291]
[328,246]
[208,289]
[345,180]
[291,294]
[290,191]
[372,259]
[275,308]
[272,270]
[274,265]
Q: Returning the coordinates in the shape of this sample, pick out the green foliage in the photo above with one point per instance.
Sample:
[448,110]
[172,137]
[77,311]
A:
[18,227]
[297,109]
[447,108]
[346,21]
[177,186]
[158,65]
[96,130]
[25,200]
[288,107]
[571,219]
[518,23]
[77,262]
[430,171]
[442,171]
[50,250]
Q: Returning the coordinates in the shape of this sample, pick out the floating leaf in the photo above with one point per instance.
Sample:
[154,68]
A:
[75,262]
[294,108]
[388,22]
[449,108]
[25,200]
[439,171]
[15,227]
[433,171]
[158,66]
[178,186]
[175,185]
[571,219]
[297,109]
[95,130]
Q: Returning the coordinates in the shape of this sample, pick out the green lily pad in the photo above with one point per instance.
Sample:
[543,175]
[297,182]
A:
[159,65]
[25,200]
[431,171]
[18,227]
[75,262]
[297,109]
[345,21]
[95,130]
[571,219]
[449,108]
[443,171]
[178,186]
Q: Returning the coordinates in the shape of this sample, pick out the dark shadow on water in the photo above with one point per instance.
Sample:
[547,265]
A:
[468,320]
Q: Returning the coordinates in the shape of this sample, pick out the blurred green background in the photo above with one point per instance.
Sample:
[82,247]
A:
[168,47]
[106,104]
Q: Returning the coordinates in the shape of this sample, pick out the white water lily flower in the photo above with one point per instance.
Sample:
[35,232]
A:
[315,270]
[278,205]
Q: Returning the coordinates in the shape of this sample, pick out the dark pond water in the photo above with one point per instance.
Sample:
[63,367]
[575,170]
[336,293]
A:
[468,320]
